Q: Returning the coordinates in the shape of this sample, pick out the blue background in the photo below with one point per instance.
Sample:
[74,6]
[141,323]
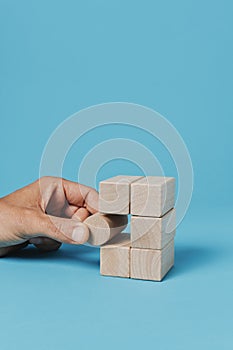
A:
[57,57]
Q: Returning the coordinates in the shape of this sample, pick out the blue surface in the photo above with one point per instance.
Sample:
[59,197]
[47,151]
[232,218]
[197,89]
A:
[175,57]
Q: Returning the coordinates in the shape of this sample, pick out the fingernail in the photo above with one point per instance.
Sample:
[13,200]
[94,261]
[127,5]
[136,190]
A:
[80,234]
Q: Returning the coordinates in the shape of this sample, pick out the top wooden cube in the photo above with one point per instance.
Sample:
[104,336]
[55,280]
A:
[152,196]
[115,194]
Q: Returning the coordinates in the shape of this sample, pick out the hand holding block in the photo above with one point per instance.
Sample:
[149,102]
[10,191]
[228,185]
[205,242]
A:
[150,264]
[152,196]
[104,227]
[114,256]
[114,196]
[152,233]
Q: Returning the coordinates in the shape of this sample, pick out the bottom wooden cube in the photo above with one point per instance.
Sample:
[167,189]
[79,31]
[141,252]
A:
[150,264]
[115,255]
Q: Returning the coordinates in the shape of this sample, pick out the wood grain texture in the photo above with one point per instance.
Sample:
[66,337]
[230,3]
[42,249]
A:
[102,227]
[150,264]
[150,232]
[115,257]
[152,196]
[114,194]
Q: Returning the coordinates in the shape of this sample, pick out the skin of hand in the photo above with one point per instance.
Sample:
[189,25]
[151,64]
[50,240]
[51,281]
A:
[46,213]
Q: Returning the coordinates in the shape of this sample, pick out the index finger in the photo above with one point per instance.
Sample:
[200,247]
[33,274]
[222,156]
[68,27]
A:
[81,195]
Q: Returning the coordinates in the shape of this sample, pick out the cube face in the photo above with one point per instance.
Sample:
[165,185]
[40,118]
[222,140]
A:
[146,232]
[145,264]
[103,227]
[168,257]
[150,264]
[115,257]
[115,262]
[152,233]
[115,194]
[152,196]
[114,198]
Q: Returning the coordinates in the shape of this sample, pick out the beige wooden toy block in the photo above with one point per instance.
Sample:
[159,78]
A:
[150,264]
[152,196]
[114,194]
[115,255]
[104,227]
[151,232]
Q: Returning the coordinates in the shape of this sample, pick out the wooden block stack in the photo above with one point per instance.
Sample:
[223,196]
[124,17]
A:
[148,252]
[152,242]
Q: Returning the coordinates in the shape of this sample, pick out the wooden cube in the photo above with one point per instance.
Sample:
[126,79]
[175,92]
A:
[115,255]
[152,196]
[103,227]
[114,194]
[152,233]
[150,264]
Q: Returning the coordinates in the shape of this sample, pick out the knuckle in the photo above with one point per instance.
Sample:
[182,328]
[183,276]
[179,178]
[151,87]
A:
[45,179]
[46,182]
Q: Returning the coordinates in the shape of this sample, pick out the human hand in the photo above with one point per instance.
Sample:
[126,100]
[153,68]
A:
[46,213]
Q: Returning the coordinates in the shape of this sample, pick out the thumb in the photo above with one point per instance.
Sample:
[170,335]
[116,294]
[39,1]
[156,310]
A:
[62,230]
